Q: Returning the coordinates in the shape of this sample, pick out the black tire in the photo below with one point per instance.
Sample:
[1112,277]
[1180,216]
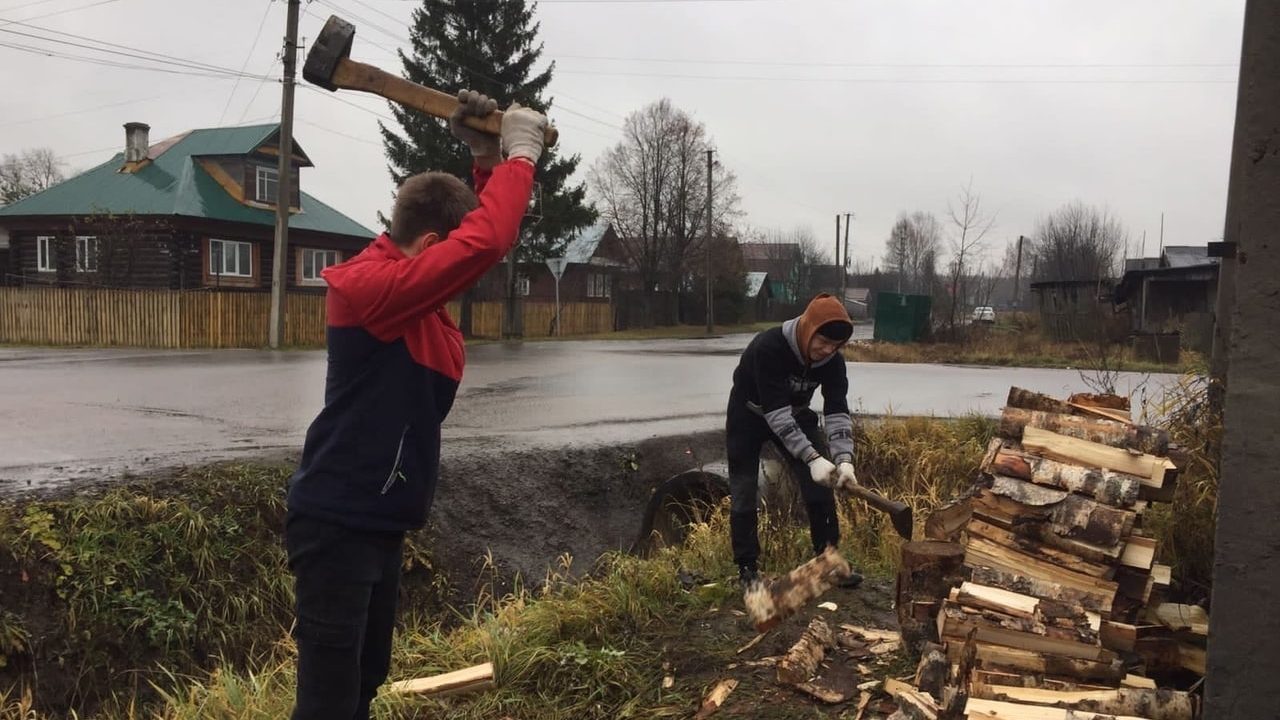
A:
[684,500]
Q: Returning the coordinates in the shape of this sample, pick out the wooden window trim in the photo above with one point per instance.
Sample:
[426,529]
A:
[298,255]
[50,255]
[97,250]
[232,281]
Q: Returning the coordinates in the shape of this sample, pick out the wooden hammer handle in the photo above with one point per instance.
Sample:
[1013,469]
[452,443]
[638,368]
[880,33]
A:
[353,75]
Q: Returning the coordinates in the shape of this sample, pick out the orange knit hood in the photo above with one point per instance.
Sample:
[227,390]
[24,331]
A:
[823,309]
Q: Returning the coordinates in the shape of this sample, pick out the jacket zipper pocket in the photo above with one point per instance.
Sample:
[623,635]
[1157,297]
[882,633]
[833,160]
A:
[395,466]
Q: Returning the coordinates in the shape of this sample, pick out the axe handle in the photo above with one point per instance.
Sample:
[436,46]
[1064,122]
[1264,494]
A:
[353,75]
[875,500]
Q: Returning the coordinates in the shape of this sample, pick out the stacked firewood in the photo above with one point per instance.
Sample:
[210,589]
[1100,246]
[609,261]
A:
[1044,579]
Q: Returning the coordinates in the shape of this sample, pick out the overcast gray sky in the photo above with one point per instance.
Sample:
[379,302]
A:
[820,106]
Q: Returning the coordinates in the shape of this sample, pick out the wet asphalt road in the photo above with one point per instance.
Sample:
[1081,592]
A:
[69,414]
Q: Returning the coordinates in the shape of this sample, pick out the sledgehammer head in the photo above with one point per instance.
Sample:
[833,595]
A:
[332,45]
[768,606]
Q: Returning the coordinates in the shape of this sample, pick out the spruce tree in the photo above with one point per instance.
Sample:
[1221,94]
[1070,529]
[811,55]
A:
[491,47]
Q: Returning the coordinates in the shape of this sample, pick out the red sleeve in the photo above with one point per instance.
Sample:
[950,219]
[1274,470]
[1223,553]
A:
[480,176]
[389,295]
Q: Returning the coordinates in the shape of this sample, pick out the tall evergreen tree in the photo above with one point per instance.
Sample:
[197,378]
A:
[491,47]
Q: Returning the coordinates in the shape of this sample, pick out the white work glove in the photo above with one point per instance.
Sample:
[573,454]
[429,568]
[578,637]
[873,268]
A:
[483,145]
[822,471]
[523,130]
[845,478]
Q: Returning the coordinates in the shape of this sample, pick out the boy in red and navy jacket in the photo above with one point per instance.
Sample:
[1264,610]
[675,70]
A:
[371,459]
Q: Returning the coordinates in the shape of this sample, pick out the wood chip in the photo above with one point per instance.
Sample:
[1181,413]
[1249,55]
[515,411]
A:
[863,701]
[754,641]
[714,699]
[830,606]
[823,694]
[869,685]
[668,682]
[871,634]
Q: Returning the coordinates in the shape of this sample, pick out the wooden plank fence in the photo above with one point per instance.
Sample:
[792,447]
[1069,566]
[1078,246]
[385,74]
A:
[221,319]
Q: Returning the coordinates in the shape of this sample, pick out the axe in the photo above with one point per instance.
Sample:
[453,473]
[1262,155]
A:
[899,512]
[330,66]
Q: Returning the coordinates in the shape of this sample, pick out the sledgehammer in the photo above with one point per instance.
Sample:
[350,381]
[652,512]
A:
[330,66]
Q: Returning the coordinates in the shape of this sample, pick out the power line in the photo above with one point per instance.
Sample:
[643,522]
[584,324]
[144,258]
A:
[169,59]
[890,81]
[258,89]
[60,12]
[886,65]
[335,96]
[83,110]
[109,63]
[336,132]
[261,24]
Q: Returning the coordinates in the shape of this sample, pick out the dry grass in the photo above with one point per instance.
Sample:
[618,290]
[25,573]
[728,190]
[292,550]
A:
[1007,346]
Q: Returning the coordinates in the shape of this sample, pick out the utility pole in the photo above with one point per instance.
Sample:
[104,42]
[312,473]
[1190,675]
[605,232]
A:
[1017,277]
[837,238]
[710,317]
[844,263]
[284,182]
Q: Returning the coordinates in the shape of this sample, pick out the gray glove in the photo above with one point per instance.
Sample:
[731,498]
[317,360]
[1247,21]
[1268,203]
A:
[482,144]
[523,130]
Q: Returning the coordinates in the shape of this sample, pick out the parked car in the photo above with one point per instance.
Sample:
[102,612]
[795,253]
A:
[984,314]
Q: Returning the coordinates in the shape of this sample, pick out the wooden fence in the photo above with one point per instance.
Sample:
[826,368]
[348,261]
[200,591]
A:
[220,319]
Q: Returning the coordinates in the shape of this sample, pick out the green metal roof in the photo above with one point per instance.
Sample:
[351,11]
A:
[173,184]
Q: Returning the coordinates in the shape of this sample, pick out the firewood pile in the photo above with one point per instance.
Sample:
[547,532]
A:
[1037,596]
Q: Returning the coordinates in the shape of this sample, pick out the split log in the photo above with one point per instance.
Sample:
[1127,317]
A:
[1033,546]
[1105,486]
[1015,421]
[1113,402]
[945,523]
[1154,704]
[1161,654]
[932,672]
[1134,584]
[926,573]
[1162,574]
[766,607]
[979,709]
[1030,522]
[1031,400]
[472,679]
[1137,681]
[1007,568]
[912,703]
[801,662]
[1105,413]
[957,621]
[1123,637]
[1183,618]
[1047,616]
[1024,661]
[1022,680]
[1070,515]
[714,699]
[1139,552]
[1150,468]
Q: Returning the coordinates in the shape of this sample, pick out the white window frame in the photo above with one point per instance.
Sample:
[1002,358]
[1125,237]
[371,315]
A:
[523,286]
[264,176]
[315,253]
[221,271]
[599,285]
[45,261]
[87,253]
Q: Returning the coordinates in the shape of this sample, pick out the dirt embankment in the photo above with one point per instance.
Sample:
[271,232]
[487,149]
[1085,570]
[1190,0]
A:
[527,507]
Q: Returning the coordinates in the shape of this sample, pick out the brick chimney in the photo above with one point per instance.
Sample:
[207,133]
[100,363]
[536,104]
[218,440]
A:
[136,141]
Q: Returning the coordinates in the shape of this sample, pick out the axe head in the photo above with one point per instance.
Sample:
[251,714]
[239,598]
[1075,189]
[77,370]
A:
[332,45]
[902,520]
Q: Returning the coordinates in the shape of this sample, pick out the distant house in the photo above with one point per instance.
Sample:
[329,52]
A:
[595,266]
[779,261]
[759,297]
[1075,310]
[858,302]
[196,210]
[1174,293]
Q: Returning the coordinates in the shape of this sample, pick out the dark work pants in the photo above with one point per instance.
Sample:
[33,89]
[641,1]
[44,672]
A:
[745,435]
[346,582]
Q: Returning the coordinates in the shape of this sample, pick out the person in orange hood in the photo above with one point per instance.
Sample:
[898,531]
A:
[773,385]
